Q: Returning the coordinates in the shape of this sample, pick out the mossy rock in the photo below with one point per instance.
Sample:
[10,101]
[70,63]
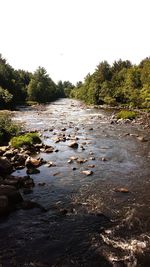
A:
[126,114]
[26,139]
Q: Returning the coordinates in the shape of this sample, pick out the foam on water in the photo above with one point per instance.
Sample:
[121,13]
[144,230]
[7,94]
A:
[125,249]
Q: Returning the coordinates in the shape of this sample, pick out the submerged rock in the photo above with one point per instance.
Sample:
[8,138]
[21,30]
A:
[32,171]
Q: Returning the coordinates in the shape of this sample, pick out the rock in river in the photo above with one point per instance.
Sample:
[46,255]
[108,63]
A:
[5,166]
[73,145]
[87,172]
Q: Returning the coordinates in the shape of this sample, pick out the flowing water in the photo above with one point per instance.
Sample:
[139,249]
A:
[87,222]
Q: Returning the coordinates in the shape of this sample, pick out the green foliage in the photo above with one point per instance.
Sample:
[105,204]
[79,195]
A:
[126,114]
[5,97]
[119,84]
[19,86]
[41,87]
[7,128]
[26,139]
[14,84]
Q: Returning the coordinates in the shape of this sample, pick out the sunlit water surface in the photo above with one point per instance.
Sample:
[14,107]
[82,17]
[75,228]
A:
[87,222]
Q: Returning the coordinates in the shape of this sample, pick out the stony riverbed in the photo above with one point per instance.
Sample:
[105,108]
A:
[94,195]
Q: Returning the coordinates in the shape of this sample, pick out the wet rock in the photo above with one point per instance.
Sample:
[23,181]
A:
[63,211]
[19,159]
[70,161]
[134,135]
[28,204]
[20,167]
[5,166]
[56,139]
[8,154]
[27,191]
[91,166]
[32,162]
[41,183]
[87,172]
[121,190]
[113,121]
[73,158]
[11,193]
[3,149]
[38,145]
[80,161]
[103,159]
[27,182]
[49,150]
[142,139]
[73,145]
[32,171]
[57,173]
[12,182]
[92,158]
[63,129]
[50,164]
[4,205]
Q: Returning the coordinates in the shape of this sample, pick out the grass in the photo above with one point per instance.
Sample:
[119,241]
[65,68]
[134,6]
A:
[126,114]
[26,139]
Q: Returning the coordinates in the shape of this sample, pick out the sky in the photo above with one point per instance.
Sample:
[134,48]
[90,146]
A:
[69,38]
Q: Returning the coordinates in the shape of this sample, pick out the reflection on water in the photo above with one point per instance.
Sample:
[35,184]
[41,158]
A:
[87,223]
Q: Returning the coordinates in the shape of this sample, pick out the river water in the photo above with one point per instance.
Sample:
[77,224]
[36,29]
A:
[87,222]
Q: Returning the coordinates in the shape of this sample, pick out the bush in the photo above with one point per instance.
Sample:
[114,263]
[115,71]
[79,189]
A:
[26,139]
[126,114]
[7,128]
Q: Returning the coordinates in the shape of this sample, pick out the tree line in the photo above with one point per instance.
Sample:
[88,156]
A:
[119,84]
[20,86]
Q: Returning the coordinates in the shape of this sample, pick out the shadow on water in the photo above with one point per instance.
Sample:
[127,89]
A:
[87,223]
[59,237]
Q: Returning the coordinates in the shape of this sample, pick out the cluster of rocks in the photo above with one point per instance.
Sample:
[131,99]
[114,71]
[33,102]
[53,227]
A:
[10,196]
[143,119]
[12,159]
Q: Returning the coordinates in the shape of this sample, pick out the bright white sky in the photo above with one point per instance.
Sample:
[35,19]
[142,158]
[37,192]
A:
[70,37]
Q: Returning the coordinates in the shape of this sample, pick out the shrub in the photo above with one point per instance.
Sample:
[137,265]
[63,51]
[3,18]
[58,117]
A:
[126,114]
[26,139]
[7,128]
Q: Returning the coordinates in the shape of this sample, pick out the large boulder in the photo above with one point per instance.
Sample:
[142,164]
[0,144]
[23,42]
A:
[4,206]
[5,166]
[13,195]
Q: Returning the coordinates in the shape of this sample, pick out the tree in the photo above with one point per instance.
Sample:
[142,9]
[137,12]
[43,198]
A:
[41,87]
[5,97]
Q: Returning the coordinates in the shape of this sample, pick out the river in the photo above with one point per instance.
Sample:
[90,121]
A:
[88,222]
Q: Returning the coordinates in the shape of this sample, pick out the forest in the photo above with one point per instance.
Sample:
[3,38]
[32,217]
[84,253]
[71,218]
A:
[121,83]
[19,87]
